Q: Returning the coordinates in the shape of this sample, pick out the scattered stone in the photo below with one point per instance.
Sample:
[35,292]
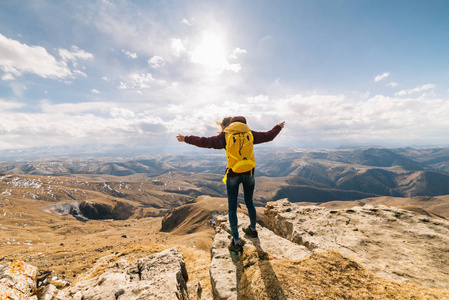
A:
[47,292]
[42,277]
[199,290]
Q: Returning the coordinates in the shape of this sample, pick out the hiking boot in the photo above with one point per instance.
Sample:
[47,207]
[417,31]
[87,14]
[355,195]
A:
[250,232]
[235,247]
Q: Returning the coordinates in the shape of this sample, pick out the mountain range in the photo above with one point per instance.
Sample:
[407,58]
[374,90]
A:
[302,175]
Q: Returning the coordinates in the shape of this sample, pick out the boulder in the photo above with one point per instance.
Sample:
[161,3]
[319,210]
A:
[393,243]
[159,276]
[17,280]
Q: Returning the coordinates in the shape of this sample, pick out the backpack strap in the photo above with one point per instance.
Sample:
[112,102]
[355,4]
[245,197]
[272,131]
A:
[227,145]
[225,177]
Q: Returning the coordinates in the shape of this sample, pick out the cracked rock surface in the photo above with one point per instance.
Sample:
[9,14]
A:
[159,276]
[224,267]
[17,280]
[393,243]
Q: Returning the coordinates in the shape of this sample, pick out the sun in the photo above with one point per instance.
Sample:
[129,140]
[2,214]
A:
[210,53]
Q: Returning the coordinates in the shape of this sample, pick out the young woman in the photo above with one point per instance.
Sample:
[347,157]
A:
[235,179]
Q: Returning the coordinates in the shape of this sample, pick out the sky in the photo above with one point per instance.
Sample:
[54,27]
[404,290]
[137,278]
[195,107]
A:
[340,73]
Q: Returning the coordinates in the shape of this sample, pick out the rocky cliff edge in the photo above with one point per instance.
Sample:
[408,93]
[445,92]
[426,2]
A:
[316,253]
[369,252]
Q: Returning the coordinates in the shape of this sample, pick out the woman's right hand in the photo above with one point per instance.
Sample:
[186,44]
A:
[181,138]
[282,124]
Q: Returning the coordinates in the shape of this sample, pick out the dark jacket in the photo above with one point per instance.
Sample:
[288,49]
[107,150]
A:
[219,141]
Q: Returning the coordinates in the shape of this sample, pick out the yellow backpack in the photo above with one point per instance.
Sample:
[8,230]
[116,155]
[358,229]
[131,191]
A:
[239,148]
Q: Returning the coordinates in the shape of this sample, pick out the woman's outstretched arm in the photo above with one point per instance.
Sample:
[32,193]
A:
[215,142]
[267,136]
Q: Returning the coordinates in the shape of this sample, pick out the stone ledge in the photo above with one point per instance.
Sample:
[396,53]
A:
[390,242]
[224,273]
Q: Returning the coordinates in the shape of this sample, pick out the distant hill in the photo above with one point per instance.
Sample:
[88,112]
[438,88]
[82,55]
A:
[317,175]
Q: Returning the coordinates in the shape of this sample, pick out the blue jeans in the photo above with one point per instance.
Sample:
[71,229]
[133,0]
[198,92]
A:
[232,186]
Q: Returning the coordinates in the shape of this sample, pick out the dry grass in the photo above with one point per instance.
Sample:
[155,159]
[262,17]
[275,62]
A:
[73,250]
[325,275]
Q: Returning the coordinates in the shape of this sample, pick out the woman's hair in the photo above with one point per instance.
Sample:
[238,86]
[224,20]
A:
[224,123]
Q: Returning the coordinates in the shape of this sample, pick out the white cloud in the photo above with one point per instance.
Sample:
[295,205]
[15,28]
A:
[415,90]
[118,112]
[237,52]
[313,119]
[130,54]
[140,81]
[276,82]
[17,58]
[75,108]
[156,62]
[177,46]
[74,54]
[382,76]
[66,123]
[95,91]
[233,67]
[142,31]
[8,105]
[17,88]
[331,120]
[8,76]
[79,73]
[186,22]
[10,72]
[392,84]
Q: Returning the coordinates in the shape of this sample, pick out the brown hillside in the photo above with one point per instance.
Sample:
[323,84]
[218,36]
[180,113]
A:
[197,215]
[65,247]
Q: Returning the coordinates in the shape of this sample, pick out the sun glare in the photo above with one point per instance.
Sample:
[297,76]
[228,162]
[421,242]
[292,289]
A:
[210,53]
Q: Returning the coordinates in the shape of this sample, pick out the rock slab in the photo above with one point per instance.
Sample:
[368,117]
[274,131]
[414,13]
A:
[162,275]
[393,243]
[224,273]
[159,276]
